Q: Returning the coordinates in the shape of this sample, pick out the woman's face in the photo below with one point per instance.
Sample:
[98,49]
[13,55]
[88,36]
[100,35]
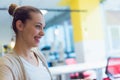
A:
[33,29]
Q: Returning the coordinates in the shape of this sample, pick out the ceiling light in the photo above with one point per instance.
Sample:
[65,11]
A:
[44,12]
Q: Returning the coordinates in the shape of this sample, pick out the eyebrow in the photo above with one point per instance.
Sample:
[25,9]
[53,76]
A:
[41,24]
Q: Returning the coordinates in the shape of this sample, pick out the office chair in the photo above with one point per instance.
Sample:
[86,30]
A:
[113,68]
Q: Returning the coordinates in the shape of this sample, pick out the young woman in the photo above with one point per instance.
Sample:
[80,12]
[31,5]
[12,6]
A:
[25,62]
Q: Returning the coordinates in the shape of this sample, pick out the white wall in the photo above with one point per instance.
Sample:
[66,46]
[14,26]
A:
[5,27]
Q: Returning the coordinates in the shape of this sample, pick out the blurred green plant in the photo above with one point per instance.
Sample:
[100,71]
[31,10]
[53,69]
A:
[101,1]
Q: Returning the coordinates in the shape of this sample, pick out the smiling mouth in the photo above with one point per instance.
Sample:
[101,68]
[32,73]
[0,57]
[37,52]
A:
[37,39]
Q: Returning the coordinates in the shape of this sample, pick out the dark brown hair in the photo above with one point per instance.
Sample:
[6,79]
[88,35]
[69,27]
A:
[21,13]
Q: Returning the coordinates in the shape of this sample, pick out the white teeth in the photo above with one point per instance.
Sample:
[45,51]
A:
[37,38]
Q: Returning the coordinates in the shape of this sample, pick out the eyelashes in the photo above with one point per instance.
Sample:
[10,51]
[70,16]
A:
[39,27]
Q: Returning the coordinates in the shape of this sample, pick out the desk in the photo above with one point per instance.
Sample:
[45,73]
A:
[65,69]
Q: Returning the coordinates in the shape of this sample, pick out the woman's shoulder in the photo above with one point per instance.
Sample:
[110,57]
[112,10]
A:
[8,59]
[10,63]
[5,69]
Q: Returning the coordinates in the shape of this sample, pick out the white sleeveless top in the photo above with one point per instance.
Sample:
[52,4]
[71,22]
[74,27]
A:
[36,73]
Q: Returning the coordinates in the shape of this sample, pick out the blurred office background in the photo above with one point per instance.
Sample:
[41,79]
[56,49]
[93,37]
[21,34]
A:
[82,31]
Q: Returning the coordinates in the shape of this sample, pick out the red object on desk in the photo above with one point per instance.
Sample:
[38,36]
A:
[71,61]
[76,75]
[113,67]
[106,78]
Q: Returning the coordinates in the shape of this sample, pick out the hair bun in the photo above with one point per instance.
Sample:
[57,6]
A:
[12,9]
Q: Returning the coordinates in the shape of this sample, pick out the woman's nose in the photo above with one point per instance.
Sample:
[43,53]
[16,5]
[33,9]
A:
[41,32]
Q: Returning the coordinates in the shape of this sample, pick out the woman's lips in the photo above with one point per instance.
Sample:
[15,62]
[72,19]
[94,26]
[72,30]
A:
[37,39]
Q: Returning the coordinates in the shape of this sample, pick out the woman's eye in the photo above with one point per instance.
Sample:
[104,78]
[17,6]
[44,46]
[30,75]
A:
[38,26]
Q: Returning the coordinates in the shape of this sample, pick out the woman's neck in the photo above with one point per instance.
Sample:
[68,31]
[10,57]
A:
[21,48]
[27,54]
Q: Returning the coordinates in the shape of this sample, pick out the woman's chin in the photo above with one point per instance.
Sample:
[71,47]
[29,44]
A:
[35,45]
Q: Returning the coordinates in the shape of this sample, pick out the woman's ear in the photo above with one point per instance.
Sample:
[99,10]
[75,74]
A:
[19,25]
